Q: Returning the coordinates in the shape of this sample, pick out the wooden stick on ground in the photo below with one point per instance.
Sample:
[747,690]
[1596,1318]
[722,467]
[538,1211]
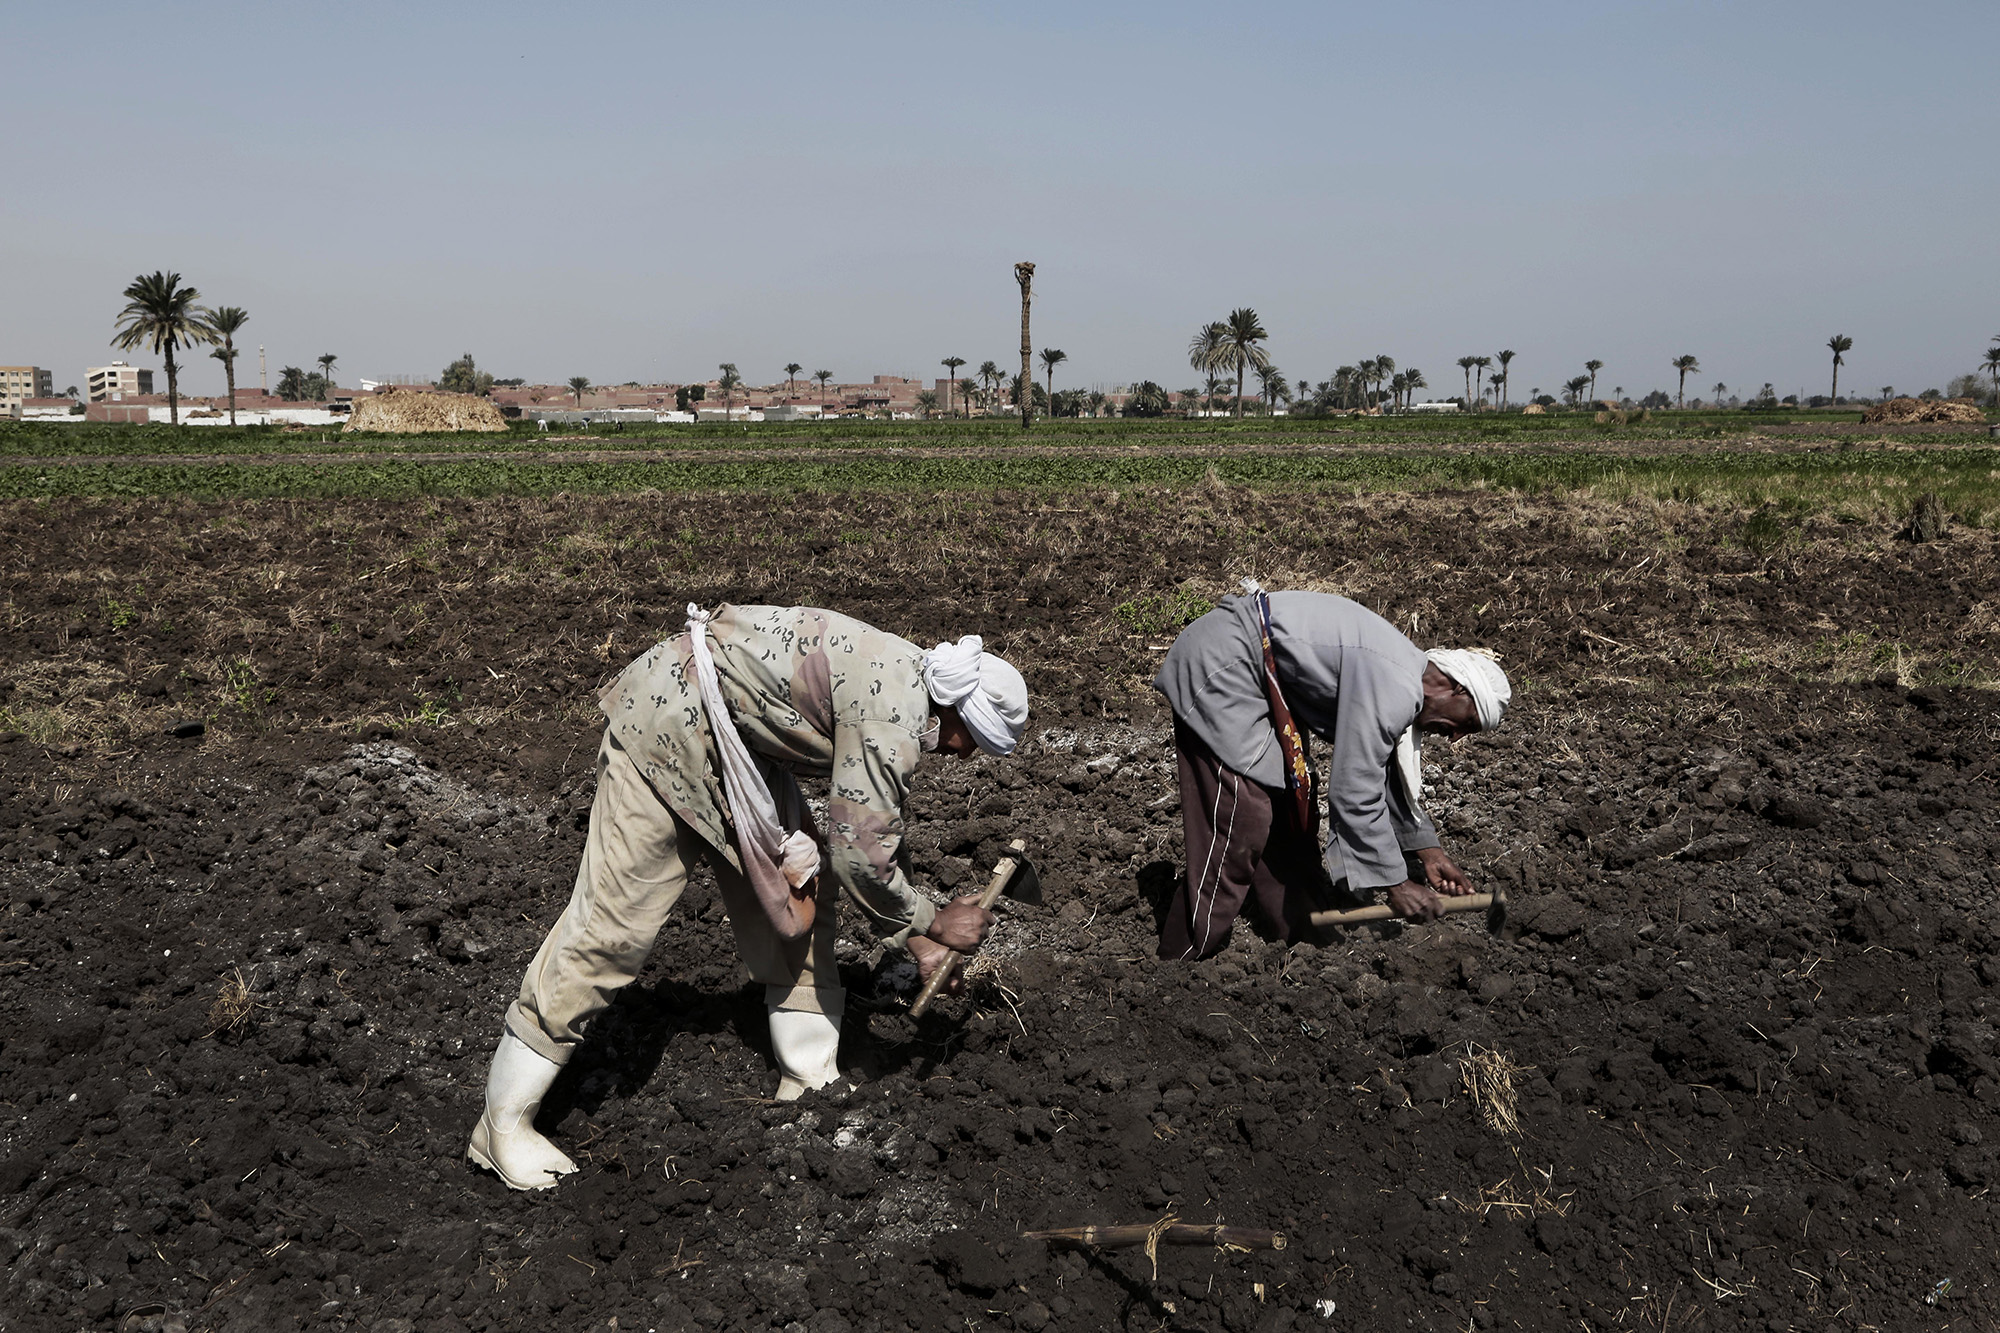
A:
[1180,1233]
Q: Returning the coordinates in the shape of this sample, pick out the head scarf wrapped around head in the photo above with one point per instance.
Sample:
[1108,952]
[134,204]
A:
[988,693]
[1476,669]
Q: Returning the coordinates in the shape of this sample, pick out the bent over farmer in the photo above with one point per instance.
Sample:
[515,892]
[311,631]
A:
[1251,684]
[705,733]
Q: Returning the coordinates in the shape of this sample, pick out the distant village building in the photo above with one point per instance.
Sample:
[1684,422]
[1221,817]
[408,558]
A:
[116,382]
[19,383]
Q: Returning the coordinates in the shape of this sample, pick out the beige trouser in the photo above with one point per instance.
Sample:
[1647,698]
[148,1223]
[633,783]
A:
[635,864]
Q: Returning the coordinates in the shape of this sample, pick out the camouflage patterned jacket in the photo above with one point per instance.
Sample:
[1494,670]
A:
[815,691]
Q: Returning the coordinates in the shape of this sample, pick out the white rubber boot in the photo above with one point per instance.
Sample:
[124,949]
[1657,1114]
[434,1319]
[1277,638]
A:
[504,1141]
[806,1044]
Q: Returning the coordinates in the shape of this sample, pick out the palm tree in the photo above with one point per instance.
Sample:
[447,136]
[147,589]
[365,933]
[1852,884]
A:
[1992,367]
[727,382]
[1480,363]
[1364,377]
[952,363]
[1205,353]
[1593,367]
[1413,380]
[1684,364]
[1399,384]
[327,361]
[989,378]
[1839,343]
[1051,358]
[792,369]
[822,376]
[163,313]
[1241,349]
[579,385]
[1385,367]
[927,402]
[1024,275]
[226,322]
[1719,390]
[1574,388]
[1466,363]
[1270,384]
[1494,381]
[1505,374]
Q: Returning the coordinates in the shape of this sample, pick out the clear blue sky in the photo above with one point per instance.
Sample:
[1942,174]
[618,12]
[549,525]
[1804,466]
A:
[631,191]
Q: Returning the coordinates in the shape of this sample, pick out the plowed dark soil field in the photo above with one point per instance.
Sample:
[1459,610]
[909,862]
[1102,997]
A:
[1729,1064]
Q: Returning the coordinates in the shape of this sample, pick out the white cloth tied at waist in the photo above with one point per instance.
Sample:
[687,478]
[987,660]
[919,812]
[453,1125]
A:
[779,855]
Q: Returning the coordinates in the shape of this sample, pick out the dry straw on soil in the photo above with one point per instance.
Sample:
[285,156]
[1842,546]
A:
[1898,411]
[1488,1076]
[425,413]
[233,1004]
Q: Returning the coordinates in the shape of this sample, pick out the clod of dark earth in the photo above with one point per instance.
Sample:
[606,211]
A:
[1742,1007]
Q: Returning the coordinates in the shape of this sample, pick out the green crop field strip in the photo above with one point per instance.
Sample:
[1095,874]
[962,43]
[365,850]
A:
[1706,458]
[33,440]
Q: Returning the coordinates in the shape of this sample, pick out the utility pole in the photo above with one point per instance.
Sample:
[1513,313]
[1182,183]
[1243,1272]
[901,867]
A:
[1024,273]
[263,375]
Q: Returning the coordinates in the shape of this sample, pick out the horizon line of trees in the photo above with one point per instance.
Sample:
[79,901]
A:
[166,316]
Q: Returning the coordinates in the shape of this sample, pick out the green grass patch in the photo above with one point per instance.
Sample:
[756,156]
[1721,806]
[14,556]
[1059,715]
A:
[86,439]
[1854,481]
[1161,613]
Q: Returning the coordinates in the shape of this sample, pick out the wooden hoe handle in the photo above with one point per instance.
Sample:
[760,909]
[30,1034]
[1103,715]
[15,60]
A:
[1003,870]
[1471,902]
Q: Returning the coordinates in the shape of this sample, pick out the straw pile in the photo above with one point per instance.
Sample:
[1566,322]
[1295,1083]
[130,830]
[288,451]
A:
[1901,411]
[392,413]
[1534,410]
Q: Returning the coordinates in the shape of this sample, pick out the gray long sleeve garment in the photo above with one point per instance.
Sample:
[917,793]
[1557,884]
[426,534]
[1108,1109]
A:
[1349,677]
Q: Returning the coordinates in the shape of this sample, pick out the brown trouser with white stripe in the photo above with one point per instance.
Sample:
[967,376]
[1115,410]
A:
[635,865]
[1245,852]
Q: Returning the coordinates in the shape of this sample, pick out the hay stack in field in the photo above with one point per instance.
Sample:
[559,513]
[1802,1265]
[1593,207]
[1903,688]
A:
[1900,411]
[1534,410]
[392,413]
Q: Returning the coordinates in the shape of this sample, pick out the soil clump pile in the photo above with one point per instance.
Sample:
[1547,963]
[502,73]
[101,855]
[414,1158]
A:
[1732,1062]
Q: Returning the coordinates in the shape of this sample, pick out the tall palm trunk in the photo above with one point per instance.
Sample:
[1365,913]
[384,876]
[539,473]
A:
[1241,362]
[173,388]
[1835,393]
[1024,273]
[229,369]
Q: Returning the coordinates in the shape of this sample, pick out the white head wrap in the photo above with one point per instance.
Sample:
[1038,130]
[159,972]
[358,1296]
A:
[1482,677]
[1476,669]
[987,692]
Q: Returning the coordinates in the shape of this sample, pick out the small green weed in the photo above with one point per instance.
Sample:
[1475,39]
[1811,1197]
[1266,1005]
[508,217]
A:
[1163,612]
[1773,527]
[248,694]
[120,614]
